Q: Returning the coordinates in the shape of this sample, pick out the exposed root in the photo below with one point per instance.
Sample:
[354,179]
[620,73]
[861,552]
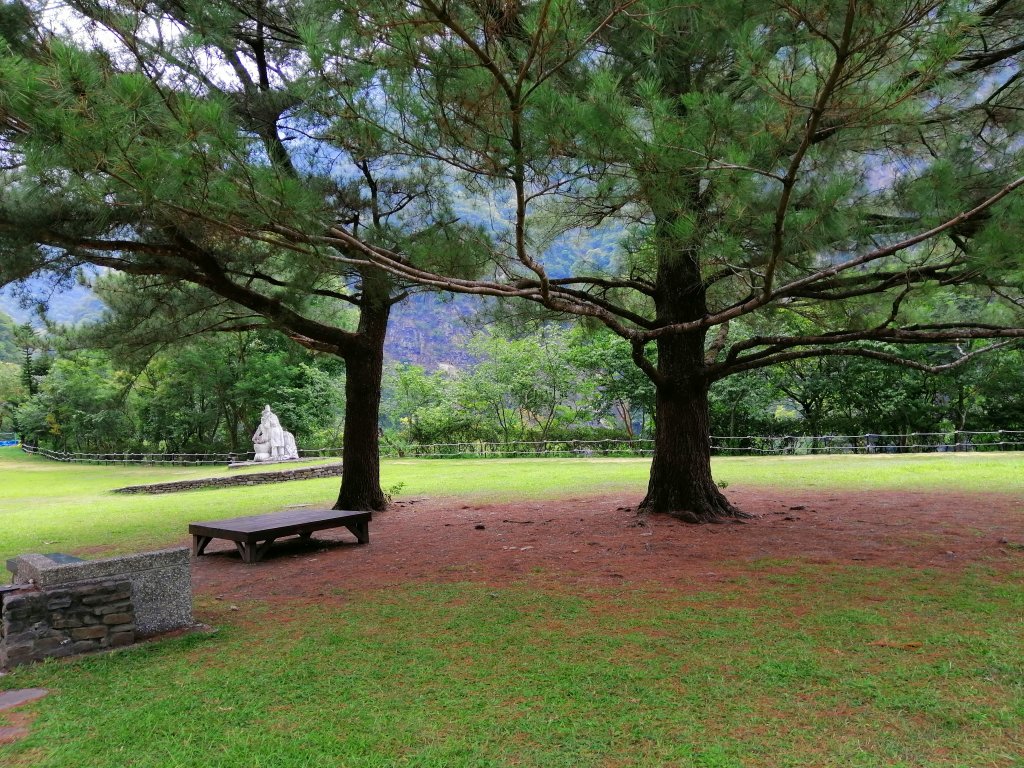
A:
[711,512]
[372,501]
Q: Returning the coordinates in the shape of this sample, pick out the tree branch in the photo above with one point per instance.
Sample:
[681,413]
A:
[842,51]
[871,354]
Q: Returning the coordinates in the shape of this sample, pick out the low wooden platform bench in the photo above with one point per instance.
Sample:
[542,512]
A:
[254,534]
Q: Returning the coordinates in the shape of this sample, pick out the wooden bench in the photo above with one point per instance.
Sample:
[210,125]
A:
[254,534]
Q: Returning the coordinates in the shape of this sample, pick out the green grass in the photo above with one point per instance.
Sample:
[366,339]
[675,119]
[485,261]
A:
[45,506]
[841,667]
[967,472]
[788,664]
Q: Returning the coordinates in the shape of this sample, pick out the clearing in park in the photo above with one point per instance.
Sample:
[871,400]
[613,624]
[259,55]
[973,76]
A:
[519,613]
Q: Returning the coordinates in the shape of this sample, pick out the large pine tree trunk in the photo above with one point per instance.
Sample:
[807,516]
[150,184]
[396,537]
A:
[364,367]
[681,484]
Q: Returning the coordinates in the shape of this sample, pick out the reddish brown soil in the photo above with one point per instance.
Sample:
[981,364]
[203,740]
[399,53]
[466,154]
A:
[582,542]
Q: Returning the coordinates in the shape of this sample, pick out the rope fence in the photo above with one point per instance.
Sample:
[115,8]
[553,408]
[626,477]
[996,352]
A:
[747,445]
[178,459]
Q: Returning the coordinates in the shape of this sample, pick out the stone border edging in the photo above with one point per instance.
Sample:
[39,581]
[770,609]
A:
[255,478]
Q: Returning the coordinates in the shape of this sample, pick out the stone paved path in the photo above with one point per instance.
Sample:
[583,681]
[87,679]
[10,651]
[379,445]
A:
[12,699]
[9,735]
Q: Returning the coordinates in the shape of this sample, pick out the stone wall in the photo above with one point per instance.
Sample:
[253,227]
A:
[161,582]
[254,478]
[38,623]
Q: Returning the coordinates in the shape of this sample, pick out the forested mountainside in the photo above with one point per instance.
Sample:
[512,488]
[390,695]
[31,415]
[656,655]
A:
[65,304]
[428,329]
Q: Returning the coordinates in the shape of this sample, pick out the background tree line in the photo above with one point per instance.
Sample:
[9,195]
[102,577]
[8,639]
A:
[549,383]
[578,383]
[201,396]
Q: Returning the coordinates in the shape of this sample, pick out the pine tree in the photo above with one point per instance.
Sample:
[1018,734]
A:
[835,177]
[29,346]
[210,145]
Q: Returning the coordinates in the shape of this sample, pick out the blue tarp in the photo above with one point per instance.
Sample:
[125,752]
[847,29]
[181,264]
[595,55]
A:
[6,443]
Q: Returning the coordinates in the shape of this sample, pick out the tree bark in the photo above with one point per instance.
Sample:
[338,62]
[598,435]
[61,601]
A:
[681,484]
[364,367]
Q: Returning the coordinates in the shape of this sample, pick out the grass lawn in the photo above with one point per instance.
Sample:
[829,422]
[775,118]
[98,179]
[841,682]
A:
[46,507]
[809,665]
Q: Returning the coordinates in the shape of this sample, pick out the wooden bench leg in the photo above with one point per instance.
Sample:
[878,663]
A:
[253,553]
[360,530]
[199,544]
[261,549]
[245,550]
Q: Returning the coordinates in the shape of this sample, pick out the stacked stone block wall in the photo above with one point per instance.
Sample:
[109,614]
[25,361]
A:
[65,620]
[161,586]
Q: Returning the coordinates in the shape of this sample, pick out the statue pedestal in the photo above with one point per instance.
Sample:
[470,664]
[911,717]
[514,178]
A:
[263,463]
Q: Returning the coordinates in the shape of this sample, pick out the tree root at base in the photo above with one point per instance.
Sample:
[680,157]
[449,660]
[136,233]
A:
[705,514]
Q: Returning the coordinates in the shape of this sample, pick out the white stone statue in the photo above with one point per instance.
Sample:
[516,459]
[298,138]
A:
[271,442]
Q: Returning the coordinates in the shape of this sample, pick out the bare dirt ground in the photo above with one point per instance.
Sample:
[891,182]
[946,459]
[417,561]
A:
[600,541]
